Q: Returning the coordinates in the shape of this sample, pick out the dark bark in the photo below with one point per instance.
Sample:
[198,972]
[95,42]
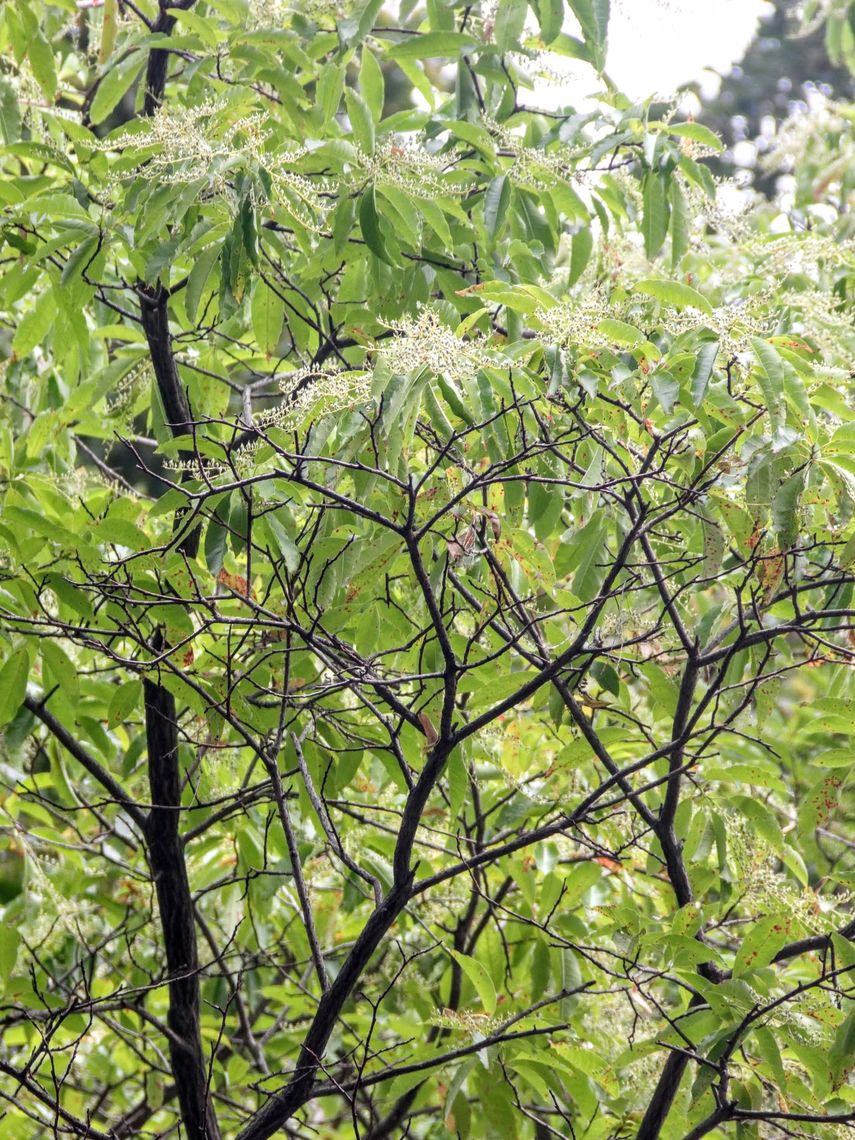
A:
[158,59]
[154,312]
[87,761]
[166,858]
[165,849]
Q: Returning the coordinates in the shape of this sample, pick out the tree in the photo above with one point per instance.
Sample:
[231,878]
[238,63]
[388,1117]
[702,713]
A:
[426,591]
[784,67]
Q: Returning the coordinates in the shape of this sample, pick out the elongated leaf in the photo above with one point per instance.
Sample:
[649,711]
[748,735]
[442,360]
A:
[510,18]
[593,17]
[361,120]
[43,65]
[354,28]
[284,542]
[657,212]
[679,222]
[372,86]
[432,45]
[675,293]
[268,313]
[706,358]
[496,199]
[785,509]
[34,325]
[369,223]
[550,16]
[13,684]
[480,979]
[198,278]
[841,1057]
[580,253]
[770,377]
[698,133]
[114,84]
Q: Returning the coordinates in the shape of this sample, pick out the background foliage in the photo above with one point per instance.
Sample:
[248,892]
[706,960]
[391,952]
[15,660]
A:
[427,543]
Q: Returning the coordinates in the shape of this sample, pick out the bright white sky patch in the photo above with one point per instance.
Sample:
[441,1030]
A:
[657,45]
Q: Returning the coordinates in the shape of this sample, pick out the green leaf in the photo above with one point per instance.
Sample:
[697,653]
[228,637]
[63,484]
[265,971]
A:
[113,85]
[508,27]
[13,684]
[44,67]
[268,314]
[125,700]
[496,199]
[771,380]
[354,28]
[361,120]
[675,293]
[372,86]
[580,254]
[621,333]
[328,90]
[62,669]
[216,535]
[657,212]
[593,17]
[283,542]
[10,940]
[78,260]
[160,261]
[761,944]
[198,278]
[120,532]
[34,325]
[841,1056]
[480,979]
[369,223]
[785,509]
[704,363]
[680,224]
[205,29]
[714,547]
[698,133]
[550,16]
[10,115]
[432,45]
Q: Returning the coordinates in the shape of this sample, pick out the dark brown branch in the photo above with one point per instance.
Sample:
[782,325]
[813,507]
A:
[169,871]
[87,761]
[158,60]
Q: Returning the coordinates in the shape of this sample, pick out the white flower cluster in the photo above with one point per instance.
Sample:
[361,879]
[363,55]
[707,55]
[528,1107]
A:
[574,323]
[312,393]
[121,400]
[405,164]
[726,215]
[276,14]
[533,167]
[477,1025]
[425,342]
[734,325]
[767,891]
[794,137]
[820,11]
[182,144]
[818,315]
[805,253]
[272,14]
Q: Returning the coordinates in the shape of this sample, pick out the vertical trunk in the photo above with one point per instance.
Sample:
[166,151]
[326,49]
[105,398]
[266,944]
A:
[166,857]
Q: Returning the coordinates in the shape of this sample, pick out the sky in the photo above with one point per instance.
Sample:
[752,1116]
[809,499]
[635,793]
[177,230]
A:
[656,45]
